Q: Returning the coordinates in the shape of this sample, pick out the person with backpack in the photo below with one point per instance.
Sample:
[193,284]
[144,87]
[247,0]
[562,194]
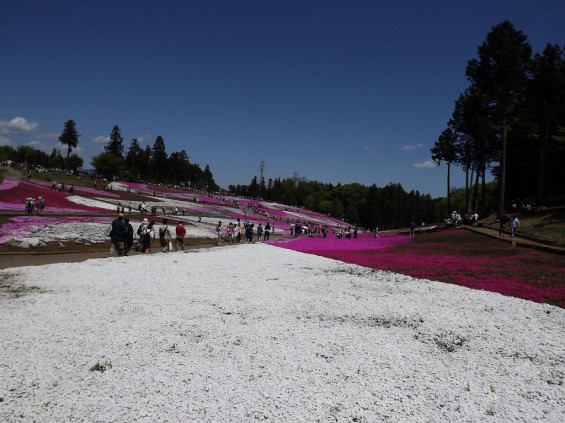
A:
[259,232]
[128,241]
[140,229]
[117,236]
[219,233]
[164,236]
[180,231]
[146,236]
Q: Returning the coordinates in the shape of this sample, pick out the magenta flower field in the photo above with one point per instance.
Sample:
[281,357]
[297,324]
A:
[14,194]
[458,256]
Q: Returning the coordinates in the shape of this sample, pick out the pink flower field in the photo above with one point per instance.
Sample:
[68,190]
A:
[13,195]
[458,256]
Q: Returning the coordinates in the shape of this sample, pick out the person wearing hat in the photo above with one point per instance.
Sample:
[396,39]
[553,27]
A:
[118,236]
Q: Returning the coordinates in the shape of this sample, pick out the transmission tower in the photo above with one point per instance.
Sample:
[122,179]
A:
[261,170]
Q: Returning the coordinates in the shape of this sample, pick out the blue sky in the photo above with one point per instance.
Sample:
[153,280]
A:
[336,91]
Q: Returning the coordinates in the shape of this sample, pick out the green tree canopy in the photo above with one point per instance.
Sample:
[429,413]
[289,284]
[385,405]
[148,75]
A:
[69,136]
[107,165]
[115,144]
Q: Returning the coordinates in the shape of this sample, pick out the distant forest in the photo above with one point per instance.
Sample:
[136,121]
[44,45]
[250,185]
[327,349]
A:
[510,122]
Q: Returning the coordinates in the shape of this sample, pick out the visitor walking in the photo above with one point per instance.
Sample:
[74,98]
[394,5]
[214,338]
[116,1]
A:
[514,223]
[259,232]
[128,240]
[180,232]
[117,236]
[267,232]
[164,236]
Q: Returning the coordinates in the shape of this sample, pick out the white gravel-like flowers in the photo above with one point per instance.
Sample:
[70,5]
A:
[255,332]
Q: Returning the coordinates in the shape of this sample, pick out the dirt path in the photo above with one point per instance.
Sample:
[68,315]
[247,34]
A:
[13,174]
[518,241]
[18,259]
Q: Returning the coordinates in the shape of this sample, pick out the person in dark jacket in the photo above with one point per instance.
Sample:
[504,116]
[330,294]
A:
[128,241]
[118,236]
[267,232]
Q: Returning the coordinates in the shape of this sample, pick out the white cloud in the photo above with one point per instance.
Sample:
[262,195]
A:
[17,124]
[143,138]
[428,164]
[411,147]
[101,139]
[36,144]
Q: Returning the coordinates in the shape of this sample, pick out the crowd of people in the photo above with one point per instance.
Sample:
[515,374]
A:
[32,204]
[234,232]
[121,235]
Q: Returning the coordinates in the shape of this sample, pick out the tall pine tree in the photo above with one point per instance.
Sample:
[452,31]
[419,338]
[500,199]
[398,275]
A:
[69,136]
[115,143]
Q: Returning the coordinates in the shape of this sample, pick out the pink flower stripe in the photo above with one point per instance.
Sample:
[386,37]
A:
[241,201]
[343,246]
[23,226]
[8,184]
[491,265]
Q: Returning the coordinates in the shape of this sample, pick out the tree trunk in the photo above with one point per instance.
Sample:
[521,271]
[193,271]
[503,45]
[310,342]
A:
[476,188]
[448,188]
[467,190]
[483,189]
[543,164]
[502,176]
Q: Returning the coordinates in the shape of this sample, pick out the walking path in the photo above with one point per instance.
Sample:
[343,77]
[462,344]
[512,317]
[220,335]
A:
[18,259]
[518,240]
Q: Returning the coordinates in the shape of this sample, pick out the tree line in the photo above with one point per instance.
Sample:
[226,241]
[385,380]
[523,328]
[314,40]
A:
[33,157]
[148,164]
[386,207]
[151,163]
[509,121]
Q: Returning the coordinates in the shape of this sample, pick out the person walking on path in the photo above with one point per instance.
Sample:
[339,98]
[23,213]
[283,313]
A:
[180,231]
[514,223]
[147,234]
[502,221]
[128,240]
[117,236]
[164,236]
[267,232]
[259,232]
[249,232]
[230,232]
[219,233]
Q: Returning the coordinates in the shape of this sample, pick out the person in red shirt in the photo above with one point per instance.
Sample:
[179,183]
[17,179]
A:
[180,232]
